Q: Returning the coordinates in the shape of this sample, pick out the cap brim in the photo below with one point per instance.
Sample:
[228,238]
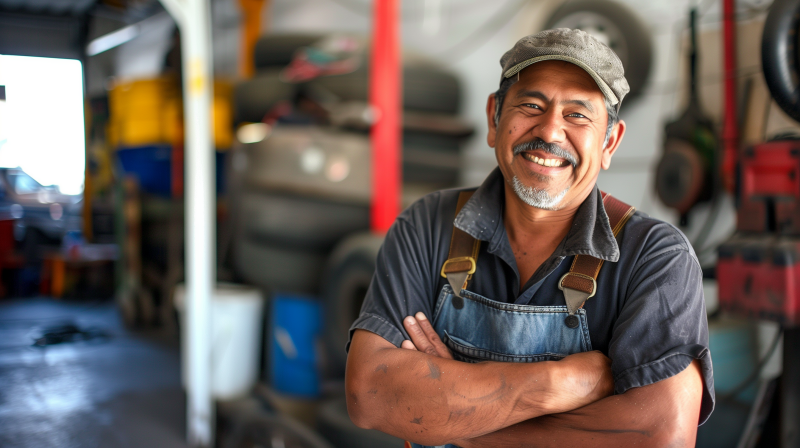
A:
[607,92]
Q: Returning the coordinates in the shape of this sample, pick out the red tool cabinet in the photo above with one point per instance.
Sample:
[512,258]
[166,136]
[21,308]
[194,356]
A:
[758,270]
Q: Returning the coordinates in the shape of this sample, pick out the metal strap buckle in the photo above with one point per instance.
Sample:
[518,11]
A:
[573,297]
[594,283]
[473,264]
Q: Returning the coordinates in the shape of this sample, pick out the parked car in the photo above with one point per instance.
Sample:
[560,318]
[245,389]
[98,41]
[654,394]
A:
[42,214]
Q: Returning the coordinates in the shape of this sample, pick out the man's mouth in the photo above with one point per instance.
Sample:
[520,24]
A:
[549,162]
[553,155]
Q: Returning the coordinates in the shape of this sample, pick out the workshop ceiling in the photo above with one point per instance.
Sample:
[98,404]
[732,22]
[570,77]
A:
[49,7]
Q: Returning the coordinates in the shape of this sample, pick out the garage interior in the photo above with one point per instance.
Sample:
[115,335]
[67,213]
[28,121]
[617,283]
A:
[137,246]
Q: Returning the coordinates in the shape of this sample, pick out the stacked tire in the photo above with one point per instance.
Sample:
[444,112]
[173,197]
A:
[300,197]
[287,226]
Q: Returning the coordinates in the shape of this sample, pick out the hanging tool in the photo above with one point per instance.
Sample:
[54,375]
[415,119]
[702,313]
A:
[685,173]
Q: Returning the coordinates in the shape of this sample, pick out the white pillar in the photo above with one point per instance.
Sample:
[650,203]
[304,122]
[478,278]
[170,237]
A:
[193,18]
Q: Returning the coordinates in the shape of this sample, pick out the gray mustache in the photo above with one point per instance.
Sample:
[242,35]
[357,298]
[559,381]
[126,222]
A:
[550,148]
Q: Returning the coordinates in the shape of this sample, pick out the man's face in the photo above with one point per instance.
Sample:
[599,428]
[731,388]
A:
[549,140]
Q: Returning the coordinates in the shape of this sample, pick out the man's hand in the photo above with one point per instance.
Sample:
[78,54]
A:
[586,376]
[423,337]
[662,414]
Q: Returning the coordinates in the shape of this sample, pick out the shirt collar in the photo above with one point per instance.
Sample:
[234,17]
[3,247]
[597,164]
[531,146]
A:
[590,234]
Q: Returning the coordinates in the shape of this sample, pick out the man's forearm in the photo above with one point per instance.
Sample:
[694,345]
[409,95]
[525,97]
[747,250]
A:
[432,400]
[661,414]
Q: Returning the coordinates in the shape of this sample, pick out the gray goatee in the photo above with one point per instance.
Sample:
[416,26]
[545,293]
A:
[537,197]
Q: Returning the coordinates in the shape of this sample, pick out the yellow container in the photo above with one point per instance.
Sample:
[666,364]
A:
[223,124]
[150,111]
[223,114]
[139,111]
[173,121]
[142,132]
[142,98]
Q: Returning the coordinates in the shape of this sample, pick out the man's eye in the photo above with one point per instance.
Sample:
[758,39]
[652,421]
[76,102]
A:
[532,106]
[576,115]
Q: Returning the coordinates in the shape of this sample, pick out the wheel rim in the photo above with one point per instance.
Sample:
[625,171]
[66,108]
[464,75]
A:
[601,28]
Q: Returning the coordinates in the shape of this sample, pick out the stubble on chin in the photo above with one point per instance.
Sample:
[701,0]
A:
[537,197]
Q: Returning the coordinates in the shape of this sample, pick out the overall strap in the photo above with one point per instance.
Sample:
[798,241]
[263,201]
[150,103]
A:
[463,257]
[580,283]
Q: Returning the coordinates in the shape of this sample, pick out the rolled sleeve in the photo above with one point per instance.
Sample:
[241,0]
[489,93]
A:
[662,326]
[401,284]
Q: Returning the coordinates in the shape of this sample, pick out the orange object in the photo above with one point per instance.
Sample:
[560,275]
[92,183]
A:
[58,275]
[251,29]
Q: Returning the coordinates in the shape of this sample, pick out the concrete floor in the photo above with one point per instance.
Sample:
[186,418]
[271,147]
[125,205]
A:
[123,391]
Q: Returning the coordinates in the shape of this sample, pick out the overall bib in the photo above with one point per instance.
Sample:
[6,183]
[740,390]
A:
[477,328]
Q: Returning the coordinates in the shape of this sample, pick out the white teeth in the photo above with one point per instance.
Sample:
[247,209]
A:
[543,162]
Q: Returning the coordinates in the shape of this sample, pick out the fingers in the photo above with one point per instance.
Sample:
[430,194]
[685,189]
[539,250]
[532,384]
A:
[424,337]
[418,336]
[408,345]
[432,336]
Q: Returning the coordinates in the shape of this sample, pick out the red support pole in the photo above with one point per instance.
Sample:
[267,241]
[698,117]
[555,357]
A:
[730,132]
[385,99]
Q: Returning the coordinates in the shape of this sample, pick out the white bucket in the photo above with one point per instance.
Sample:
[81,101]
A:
[236,319]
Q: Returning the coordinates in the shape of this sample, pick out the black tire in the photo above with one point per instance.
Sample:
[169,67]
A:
[256,96]
[299,222]
[779,55]
[347,277]
[335,425]
[626,33]
[431,158]
[274,268]
[272,430]
[277,50]
[426,87]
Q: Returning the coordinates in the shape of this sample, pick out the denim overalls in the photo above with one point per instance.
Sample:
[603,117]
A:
[476,328]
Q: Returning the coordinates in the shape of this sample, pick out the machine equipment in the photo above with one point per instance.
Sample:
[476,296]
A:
[758,269]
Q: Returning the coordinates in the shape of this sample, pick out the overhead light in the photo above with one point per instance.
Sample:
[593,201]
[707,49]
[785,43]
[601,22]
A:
[111,40]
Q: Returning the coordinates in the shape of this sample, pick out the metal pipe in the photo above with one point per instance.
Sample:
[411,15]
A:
[790,389]
[385,84]
[730,131]
[193,18]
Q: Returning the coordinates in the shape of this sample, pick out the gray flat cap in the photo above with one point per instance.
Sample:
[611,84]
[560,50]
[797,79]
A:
[577,47]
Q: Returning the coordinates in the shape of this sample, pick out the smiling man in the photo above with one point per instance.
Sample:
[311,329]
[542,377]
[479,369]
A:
[536,310]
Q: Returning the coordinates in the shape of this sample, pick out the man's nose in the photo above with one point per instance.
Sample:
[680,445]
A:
[549,127]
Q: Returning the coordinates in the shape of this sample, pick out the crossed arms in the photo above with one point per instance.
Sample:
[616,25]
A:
[421,394]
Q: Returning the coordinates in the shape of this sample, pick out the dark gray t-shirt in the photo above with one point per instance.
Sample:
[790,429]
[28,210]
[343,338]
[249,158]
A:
[648,315]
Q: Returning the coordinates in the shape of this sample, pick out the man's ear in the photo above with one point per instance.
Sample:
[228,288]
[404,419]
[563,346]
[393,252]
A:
[490,110]
[613,143]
